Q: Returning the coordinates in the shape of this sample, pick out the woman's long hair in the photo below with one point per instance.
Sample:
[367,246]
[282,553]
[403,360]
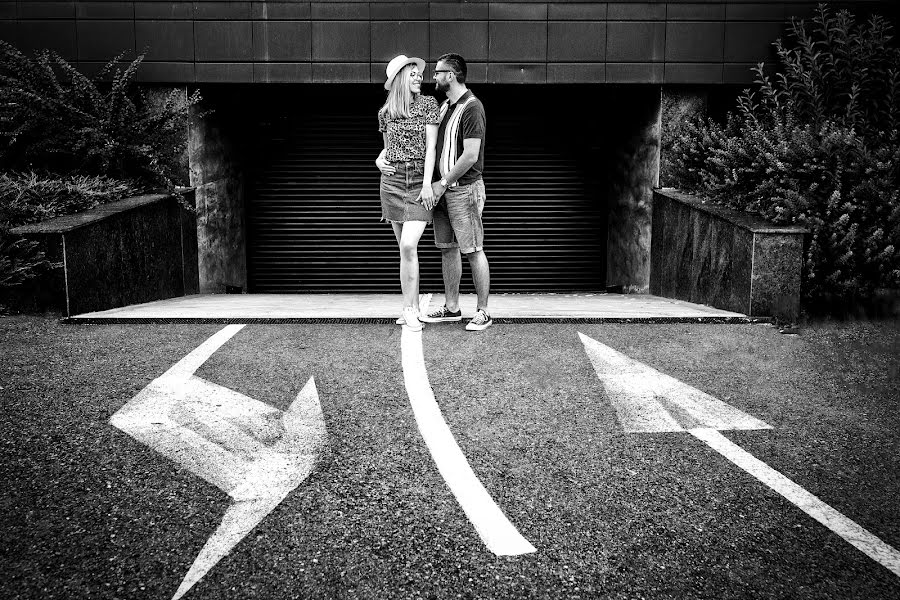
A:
[399,97]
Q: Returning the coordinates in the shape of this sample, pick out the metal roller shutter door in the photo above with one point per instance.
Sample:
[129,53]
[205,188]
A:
[313,209]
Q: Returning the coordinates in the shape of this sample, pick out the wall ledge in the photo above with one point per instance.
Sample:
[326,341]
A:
[68,223]
[750,221]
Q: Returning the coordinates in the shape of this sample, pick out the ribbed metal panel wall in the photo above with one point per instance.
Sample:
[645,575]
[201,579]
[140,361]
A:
[313,207]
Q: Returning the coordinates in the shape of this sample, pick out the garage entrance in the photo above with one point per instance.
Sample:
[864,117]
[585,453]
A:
[313,206]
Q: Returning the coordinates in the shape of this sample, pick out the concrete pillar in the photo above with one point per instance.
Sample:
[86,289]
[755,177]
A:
[634,154]
[679,104]
[216,173]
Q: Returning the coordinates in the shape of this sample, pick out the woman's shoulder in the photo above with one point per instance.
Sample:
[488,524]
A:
[427,102]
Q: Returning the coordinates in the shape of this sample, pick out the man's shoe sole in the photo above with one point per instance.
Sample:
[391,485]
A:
[471,327]
[441,319]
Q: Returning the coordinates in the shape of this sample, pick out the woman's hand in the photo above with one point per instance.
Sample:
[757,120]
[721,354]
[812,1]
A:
[384,166]
[427,197]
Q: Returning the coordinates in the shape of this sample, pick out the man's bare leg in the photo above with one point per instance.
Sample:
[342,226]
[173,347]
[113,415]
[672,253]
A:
[451,266]
[481,274]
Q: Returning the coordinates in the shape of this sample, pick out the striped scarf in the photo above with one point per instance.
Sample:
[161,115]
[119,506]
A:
[451,151]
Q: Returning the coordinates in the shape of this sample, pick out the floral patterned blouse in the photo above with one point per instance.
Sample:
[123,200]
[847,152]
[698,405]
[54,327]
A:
[406,137]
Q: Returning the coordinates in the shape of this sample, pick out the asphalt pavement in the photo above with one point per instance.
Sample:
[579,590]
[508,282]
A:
[89,511]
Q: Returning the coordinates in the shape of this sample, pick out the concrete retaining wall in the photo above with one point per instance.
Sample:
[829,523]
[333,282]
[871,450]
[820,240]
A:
[135,250]
[724,258]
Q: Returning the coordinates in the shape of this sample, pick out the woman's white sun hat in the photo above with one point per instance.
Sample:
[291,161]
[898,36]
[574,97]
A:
[397,63]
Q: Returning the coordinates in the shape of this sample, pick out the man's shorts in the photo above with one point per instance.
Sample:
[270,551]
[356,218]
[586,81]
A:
[457,220]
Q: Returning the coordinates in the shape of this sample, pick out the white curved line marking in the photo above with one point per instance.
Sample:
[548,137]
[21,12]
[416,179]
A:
[495,530]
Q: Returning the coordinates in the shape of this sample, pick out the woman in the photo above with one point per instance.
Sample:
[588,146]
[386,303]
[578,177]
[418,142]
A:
[408,122]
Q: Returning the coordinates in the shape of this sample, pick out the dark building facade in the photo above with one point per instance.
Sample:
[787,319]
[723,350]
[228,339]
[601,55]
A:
[286,186]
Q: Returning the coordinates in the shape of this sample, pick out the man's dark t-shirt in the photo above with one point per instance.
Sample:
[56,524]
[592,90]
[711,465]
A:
[472,125]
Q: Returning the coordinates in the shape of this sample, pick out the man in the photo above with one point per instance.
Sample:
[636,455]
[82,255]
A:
[457,218]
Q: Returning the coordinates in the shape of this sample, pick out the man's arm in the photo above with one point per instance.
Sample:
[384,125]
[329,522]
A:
[471,148]
[383,165]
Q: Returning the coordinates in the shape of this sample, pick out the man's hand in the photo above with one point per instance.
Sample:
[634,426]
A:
[438,190]
[384,166]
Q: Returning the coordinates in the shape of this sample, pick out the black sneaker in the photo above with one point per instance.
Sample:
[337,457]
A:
[442,315]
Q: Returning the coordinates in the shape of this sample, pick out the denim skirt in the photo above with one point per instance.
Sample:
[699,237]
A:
[399,193]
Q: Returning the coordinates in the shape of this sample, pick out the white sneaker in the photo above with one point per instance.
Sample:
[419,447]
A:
[480,321]
[411,319]
[402,321]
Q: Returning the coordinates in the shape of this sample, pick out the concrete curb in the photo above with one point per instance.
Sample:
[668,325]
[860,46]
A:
[390,320]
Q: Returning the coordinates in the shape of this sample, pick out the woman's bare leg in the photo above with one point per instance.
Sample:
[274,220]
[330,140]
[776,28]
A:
[408,240]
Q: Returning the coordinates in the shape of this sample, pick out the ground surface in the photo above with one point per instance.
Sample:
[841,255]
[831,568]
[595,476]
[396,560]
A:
[89,512]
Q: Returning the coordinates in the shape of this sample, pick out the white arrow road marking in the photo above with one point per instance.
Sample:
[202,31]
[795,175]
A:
[495,530]
[641,395]
[645,399]
[253,451]
[853,533]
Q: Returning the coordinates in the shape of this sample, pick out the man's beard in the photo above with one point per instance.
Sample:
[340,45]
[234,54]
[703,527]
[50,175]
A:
[441,87]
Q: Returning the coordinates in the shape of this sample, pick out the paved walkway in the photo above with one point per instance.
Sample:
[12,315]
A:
[509,308]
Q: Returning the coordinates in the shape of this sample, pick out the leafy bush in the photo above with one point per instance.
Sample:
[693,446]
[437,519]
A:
[20,260]
[815,146]
[92,140]
[32,197]
[54,117]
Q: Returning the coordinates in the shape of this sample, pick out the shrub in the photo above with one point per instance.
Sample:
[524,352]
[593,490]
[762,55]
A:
[20,260]
[54,117]
[32,197]
[92,140]
[815,146]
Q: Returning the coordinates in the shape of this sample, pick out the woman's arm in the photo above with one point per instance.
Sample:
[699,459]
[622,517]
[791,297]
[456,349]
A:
[427,194]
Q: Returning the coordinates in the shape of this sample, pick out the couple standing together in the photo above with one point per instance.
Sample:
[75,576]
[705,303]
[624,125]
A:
[431,168]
